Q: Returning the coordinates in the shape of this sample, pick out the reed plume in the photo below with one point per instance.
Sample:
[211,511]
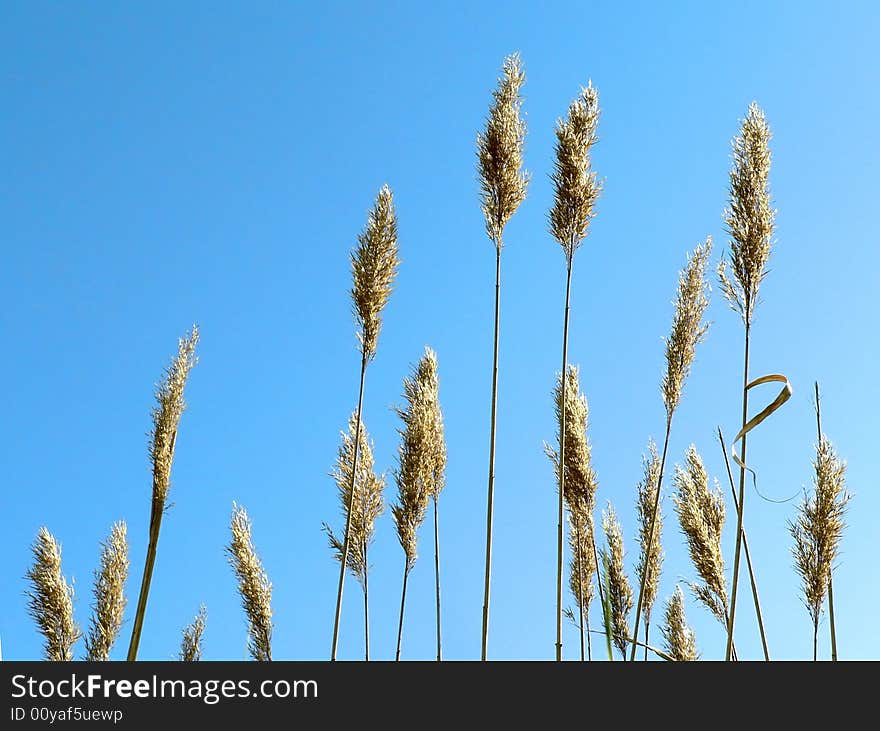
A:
[254,586]
[679,638]
[418,480]
[700,511]
[362,498]
[688,329]
[620,595]
[191,642]
[650,552]
[576,483]
[582,566]
[166,419]
[109,593]
[748,219]
[503,186]
[50,599]
[576,190]
[818,529]
[374,264]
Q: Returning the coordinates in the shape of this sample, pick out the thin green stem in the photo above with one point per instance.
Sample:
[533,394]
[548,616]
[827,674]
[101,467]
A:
[830,574]
[561,512]
[437,574]
[366,605]
[406,568]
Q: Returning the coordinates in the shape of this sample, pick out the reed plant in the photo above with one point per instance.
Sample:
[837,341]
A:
[50,599]
[169,408]
[503,186]
[817,531]
[620,595]
[417,472]
[688,329]
[362,503]
[254,586]
[191,641]
[679,638]
[650,552]
[109,594]
[576,189]
[749,220]
[374,264]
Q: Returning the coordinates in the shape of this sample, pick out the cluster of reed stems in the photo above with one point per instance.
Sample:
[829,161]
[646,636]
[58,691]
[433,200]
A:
[419,472]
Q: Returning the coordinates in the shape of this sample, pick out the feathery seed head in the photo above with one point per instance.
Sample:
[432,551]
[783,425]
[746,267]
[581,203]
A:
[576,187]
[580,479]
[367,505]
[503,183]
[819,526]
[421,454]
[374,265]
[748,217]
[688,327]
[647,490]
[681,643]
[109,593]
[701,517]
[191,642]
[620,593]
[582,564]
[167,412]
[50,599]
[253,585]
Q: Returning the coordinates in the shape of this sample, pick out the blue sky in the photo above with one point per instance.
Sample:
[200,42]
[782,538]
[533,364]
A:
[213,163]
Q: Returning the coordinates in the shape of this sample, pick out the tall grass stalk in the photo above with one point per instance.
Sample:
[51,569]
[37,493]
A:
[831,567]
[688,329]
[576,189]
[166,419]
[109,593]
[420,461]
[374,265]
[503,186]
[749,221]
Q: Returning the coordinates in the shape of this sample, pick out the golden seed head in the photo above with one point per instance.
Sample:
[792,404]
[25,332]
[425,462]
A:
[748,217]
[582,564]
[374,265]
[647,491]
[421,454]
[576,187]
[503,183]
[681,643]
[818,527]
[368,503]
[688,327]
[700,513]
[167,412]
[191,642]
[580,479]
[50,599]
[109,593]
[620,593]
[254,586]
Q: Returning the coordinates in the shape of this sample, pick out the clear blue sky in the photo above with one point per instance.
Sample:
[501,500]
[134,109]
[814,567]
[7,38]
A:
[214,162]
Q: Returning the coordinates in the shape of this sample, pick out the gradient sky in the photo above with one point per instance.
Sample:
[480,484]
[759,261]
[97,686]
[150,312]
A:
[172,163]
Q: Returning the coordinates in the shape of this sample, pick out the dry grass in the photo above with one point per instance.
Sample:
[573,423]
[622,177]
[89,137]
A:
[50,599]
[191,642]
[650,551]
[109,593]
[620,595]
[503,182]
[701,518]
[818,529]
[679,638]
[364,500]
[254,586]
